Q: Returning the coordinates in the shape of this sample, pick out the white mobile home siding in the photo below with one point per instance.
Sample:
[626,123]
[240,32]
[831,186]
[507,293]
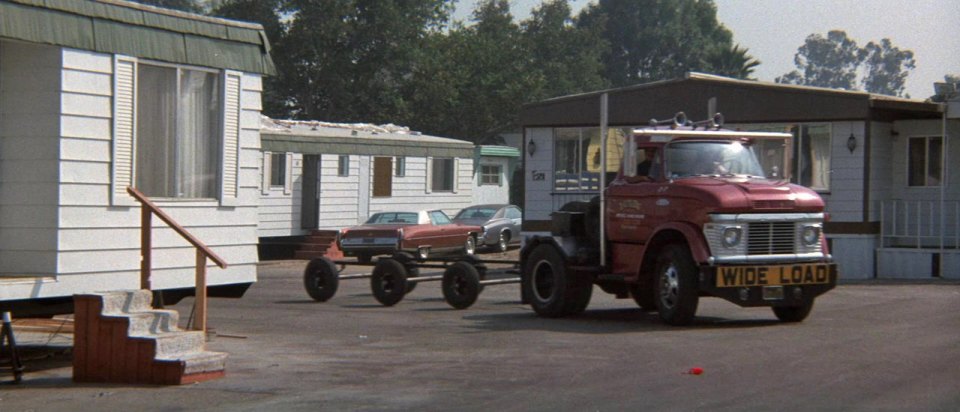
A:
[539,201]
[97,246]
[29,153]
[845,198]
[340,196]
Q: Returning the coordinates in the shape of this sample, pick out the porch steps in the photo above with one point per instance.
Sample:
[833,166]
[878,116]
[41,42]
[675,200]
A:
[319,243]
[120,338]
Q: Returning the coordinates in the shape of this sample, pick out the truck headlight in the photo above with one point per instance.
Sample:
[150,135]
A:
[732,236]
[810,235]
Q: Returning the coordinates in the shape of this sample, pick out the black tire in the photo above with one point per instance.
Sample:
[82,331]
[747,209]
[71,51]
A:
[677,295]
[551,290]
[364,258]
[388,281]
[503,241]
[321,279]
[408,262]
[461,285]
[645,297]
[793,314]
[470,245]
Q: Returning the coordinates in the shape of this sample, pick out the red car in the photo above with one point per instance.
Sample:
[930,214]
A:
[421,234]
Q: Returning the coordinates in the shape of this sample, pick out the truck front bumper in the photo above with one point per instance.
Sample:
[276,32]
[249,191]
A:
[775,285]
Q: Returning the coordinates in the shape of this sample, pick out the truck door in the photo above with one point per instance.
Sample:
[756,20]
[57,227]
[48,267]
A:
[632,199]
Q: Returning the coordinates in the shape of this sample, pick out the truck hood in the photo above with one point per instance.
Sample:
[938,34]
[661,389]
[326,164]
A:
[741,194]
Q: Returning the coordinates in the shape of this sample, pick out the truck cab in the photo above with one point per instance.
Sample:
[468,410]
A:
[691,213]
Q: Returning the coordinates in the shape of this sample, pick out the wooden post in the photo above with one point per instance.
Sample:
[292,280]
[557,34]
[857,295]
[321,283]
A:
[200,315]
[145,246]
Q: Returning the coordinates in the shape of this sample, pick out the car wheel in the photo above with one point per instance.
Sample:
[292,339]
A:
[388,281]
[677,295]
[470,246]
[461,285]
[321,279]
[793,313]
[503,241]
[553,291]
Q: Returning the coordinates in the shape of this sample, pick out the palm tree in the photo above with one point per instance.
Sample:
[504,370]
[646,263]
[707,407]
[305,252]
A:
[733,62]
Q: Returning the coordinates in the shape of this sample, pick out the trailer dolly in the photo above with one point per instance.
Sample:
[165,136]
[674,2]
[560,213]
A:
[393,277]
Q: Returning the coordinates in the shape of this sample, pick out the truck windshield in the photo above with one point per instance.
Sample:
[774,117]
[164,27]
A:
[711,158]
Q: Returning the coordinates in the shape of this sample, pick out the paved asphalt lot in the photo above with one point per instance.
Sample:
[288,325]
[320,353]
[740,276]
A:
[865,347]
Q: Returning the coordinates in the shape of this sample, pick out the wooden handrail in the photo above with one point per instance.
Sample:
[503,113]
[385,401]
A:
[149,209]
[176,227]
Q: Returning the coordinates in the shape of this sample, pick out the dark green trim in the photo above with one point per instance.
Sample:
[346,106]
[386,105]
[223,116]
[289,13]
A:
[139,31]
[363,146]
[499,151]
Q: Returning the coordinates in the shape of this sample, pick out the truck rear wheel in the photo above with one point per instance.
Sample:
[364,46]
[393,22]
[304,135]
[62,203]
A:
[553,291]
[677,296]
[793,313]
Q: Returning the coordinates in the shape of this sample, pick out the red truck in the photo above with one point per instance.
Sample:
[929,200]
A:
[690,214]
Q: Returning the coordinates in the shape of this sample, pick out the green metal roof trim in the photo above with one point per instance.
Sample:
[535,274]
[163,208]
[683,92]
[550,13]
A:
[362,146]
[112,26]
[499,151]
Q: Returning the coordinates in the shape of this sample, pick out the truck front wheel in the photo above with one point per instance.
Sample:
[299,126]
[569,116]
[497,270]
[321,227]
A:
[552,290]
[793,313]
[677,295]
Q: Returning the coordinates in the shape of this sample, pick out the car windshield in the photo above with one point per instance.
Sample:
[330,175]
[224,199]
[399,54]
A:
[697,158]
[391,218]
[476,213]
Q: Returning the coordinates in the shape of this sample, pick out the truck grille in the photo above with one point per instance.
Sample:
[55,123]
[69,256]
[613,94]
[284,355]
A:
[771,238]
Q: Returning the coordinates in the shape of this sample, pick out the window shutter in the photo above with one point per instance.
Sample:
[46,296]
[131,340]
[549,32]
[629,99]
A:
[124,118]
[456,174]
[267,168]
[429,179]
[288,175]
[231,139]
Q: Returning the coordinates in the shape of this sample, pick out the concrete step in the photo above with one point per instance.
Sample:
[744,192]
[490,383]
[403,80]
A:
[126,301]
[199,361]
[175,344]
[153,322]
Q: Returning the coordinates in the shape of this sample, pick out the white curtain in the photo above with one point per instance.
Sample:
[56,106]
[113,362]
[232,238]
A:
[156,130]
[198,121]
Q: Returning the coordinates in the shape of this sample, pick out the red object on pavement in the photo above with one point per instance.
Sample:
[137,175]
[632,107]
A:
[695,371]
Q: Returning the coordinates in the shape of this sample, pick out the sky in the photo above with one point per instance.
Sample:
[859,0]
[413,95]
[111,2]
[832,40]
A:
[773,30]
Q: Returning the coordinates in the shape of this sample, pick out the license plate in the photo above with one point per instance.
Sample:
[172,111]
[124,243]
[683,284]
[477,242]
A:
[776,275]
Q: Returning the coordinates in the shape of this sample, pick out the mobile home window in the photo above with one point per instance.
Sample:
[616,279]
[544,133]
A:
[811,148]
[278,169]
[179,116]
[925,161]
[401,167]
[343,166]
[490,174]
[576,157]
[443,175]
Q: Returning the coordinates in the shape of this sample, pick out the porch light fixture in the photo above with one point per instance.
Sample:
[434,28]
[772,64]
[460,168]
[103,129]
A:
[851,143]
[531,148]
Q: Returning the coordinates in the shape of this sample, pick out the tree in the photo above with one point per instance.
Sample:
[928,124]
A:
[654,39]
[830,61]
[886,68]
[347,60]
[568,57]
[472,83]
[731,62]
[276,102]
